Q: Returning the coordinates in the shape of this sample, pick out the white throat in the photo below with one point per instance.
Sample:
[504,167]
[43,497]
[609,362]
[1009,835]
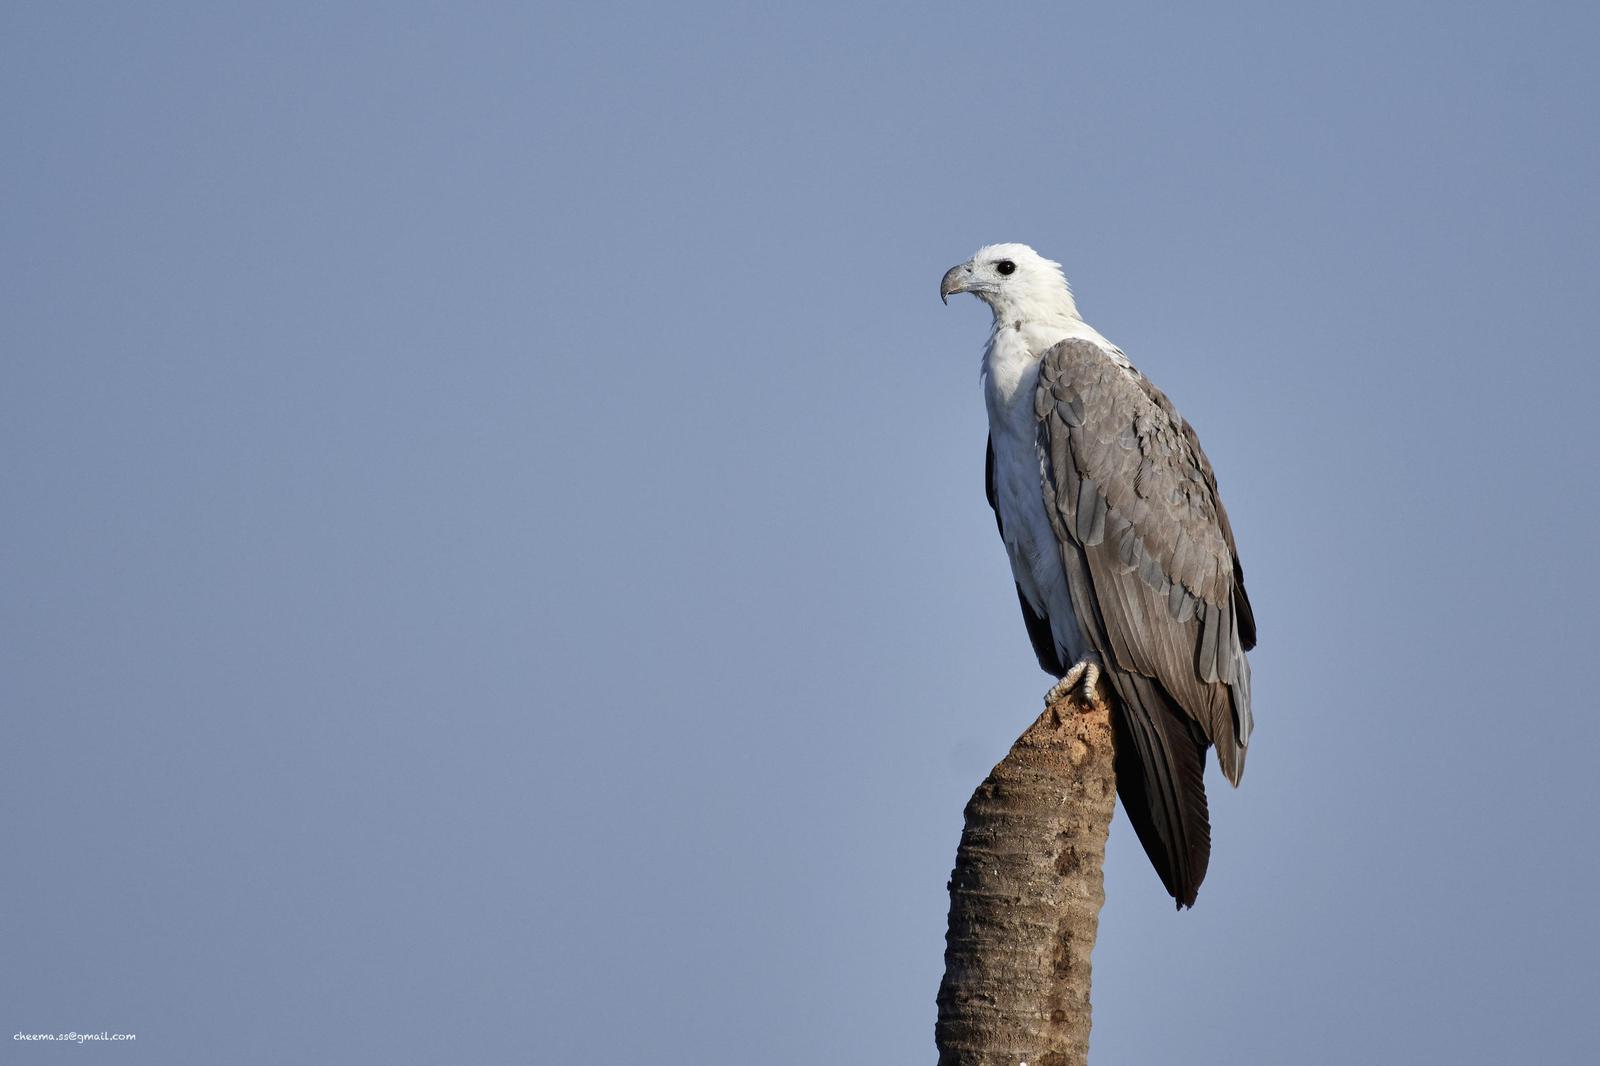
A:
[1018,339]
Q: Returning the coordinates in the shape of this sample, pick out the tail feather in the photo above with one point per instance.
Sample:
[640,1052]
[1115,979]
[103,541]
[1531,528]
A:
[1160,765]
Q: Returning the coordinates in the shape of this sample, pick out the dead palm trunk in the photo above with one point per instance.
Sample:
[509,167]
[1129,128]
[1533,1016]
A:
[1025,896]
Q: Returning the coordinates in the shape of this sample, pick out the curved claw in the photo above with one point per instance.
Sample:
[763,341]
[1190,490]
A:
[1085,675]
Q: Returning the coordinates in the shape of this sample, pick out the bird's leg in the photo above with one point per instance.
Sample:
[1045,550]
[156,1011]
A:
[1085,674]
[1064,687]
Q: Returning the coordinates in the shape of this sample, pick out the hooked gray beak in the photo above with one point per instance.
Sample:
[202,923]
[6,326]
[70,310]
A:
[954,280]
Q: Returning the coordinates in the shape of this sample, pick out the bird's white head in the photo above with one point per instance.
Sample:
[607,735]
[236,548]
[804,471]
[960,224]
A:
[1015,281]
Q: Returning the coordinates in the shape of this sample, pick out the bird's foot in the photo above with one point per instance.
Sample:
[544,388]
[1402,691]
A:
[1085,676]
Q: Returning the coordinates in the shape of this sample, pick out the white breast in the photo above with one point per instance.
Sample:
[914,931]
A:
[1010,375]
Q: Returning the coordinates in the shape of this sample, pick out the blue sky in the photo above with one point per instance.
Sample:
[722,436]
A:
[496,565]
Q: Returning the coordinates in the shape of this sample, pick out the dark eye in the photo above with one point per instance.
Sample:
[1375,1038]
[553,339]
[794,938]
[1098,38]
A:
[1005,266]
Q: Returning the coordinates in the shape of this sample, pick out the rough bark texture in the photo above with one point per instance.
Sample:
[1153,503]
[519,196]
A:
[1025,897]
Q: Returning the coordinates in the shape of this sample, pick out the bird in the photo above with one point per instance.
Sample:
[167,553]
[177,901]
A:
[1122,553]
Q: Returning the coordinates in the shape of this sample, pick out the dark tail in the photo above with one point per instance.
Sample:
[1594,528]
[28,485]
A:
[1161,763]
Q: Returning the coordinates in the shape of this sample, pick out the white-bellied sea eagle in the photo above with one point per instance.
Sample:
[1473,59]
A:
[1123,557]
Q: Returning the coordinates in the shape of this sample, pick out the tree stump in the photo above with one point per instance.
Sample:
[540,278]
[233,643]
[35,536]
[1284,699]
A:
[1026,893]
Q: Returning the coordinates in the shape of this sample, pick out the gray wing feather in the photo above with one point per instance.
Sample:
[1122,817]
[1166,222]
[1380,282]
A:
[1136,495]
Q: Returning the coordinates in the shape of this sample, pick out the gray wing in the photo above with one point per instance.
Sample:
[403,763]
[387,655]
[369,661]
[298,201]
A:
[1150,557]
